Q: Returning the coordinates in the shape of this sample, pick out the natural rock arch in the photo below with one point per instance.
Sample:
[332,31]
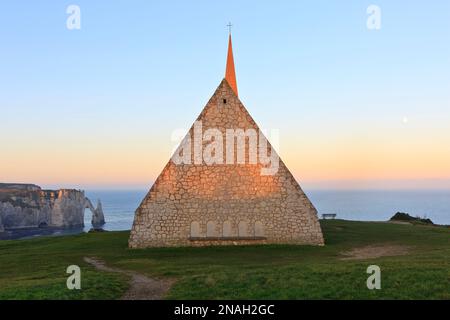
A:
[98,218]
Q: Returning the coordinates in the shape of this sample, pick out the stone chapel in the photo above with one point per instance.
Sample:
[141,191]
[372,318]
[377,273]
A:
[203,204]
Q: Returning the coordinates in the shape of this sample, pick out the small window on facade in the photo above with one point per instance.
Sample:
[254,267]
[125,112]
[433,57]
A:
[211,231]
[224,101]
[259,229]
[195,229]
[243,229]
[226,232]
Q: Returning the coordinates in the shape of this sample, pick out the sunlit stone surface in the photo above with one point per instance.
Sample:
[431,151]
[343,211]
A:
[222,204]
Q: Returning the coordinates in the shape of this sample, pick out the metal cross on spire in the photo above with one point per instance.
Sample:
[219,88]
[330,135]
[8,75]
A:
[229,25]
[230,74]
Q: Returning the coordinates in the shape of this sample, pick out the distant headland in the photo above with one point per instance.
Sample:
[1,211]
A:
[24,206]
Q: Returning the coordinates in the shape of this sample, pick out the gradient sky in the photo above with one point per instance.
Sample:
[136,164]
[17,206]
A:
[96,107]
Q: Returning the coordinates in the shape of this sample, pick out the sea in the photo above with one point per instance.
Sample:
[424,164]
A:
[361,205]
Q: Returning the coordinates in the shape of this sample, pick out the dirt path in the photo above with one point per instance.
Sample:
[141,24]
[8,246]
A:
[141,287]
[375,251]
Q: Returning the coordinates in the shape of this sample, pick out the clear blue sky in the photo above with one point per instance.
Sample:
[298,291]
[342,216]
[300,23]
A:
[137,70]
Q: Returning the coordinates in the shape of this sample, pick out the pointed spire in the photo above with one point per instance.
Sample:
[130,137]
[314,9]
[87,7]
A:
[230,74]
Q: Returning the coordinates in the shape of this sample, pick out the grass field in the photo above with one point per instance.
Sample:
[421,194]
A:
[35,269]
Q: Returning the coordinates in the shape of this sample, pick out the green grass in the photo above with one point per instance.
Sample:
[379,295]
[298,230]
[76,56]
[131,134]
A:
[35,269]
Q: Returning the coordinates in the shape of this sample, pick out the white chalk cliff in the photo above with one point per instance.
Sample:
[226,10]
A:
[28,206]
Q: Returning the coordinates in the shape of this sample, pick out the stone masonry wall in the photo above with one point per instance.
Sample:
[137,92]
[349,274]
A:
[223,204]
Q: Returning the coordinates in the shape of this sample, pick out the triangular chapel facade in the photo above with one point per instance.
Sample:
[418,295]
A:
[201,202]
